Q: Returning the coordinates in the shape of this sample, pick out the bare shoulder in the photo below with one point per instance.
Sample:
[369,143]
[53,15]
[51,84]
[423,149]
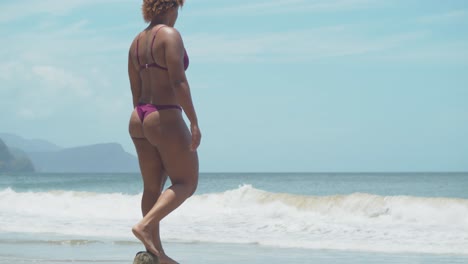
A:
[171,35]
[133,44]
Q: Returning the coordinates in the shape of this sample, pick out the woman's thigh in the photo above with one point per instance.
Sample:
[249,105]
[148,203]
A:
[151,166]
[173,140]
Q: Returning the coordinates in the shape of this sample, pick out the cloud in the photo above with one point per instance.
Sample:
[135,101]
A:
[294,46]
[8,69]
[59,64]
[57,80]
[286,6]
[447,17]
[20,9]
[47,91]
[455,52]
[41,89]
[47,42]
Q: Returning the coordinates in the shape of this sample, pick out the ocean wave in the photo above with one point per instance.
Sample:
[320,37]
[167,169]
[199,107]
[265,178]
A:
[69,242]
[357,221]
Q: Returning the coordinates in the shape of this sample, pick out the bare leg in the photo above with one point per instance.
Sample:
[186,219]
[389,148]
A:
[182,167]
[152,172]
[154,178]
[148,200]
[172,198]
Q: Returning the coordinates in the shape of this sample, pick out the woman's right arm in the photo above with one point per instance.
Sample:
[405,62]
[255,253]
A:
[174,53]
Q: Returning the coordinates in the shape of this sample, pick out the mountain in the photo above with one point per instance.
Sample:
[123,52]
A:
[108,157]
[5,154]
[45,156]
[13,163]
[28,145]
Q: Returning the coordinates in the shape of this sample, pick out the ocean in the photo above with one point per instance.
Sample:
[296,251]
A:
[241,217]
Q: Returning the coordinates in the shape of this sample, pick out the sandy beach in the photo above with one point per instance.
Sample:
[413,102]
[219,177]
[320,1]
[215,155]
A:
[57,251]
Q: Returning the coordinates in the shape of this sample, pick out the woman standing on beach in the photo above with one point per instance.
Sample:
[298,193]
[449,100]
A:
[165,146]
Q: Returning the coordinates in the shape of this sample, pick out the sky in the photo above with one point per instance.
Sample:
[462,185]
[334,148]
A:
[278,85]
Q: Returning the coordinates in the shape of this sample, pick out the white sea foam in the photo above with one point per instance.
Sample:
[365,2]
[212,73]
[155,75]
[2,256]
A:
[247,215]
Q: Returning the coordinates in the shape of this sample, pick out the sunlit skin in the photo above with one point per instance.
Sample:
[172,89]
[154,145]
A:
[165,145]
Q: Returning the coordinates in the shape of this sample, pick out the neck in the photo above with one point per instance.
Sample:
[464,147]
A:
[158,20]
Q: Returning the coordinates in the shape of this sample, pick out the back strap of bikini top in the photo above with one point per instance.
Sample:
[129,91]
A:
[152,43]
[152,55]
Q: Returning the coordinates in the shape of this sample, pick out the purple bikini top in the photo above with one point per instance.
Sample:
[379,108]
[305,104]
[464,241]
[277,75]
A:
[154,64]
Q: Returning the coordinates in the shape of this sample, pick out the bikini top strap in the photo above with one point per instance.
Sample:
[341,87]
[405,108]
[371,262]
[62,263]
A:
[152,42]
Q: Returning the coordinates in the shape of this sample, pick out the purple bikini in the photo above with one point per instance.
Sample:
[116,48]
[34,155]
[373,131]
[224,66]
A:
[144,109]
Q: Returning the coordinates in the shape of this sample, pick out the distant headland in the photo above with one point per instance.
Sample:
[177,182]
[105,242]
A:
[36,155]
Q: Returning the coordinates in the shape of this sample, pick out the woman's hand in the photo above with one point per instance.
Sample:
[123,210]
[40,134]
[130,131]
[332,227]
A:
[196,137]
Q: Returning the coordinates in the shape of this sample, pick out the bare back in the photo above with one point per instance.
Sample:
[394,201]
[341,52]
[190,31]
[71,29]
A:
[151,47]
[156,66]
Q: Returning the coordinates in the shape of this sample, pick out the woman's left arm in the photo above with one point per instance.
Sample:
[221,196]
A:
[135,80]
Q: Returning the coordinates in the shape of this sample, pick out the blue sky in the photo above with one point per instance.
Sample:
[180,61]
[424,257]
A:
[279,85]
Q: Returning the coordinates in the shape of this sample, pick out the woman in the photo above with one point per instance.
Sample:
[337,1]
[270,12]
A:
[165,146]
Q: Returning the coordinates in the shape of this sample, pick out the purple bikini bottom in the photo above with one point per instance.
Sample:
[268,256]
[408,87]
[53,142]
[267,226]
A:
[145,109]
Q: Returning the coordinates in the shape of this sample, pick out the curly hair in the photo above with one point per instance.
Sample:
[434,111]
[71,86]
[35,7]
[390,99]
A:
[151,8]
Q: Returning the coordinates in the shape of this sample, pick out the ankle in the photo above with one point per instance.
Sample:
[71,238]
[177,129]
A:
[142,226]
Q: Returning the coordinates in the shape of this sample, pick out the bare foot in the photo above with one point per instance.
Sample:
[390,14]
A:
[145,236]
[164,259]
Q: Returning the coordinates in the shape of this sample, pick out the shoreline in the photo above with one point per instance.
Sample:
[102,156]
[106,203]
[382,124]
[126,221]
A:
[39,249]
